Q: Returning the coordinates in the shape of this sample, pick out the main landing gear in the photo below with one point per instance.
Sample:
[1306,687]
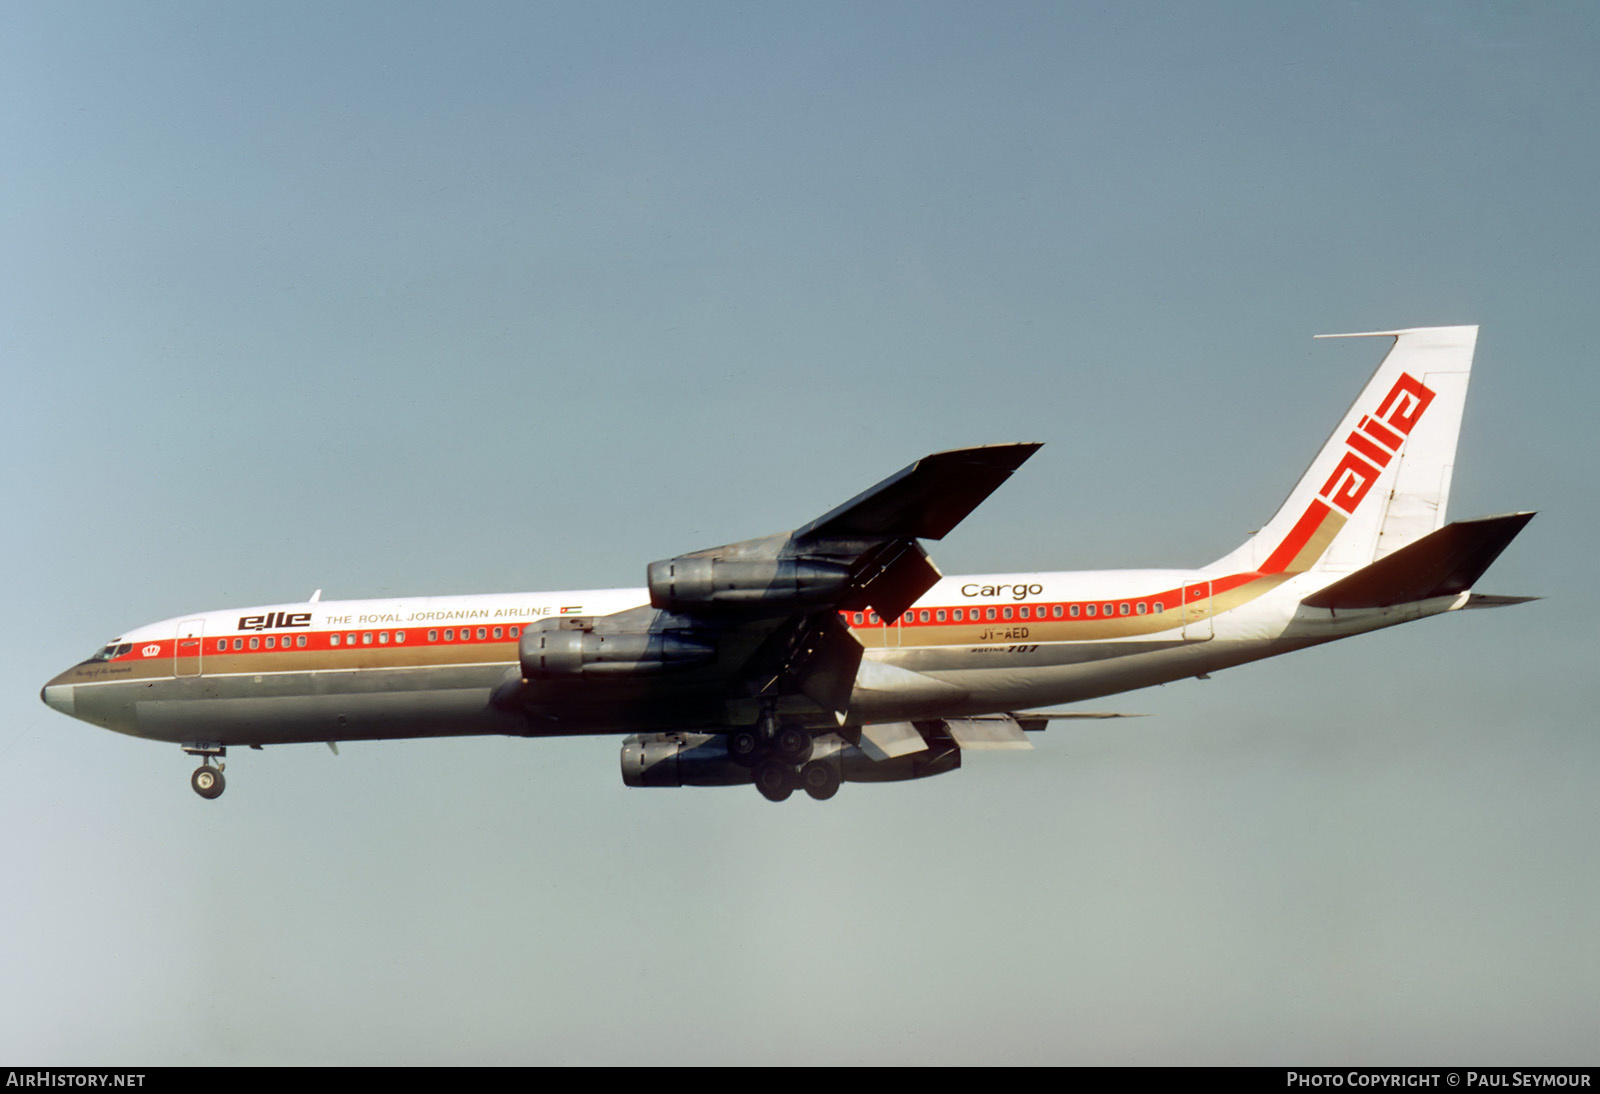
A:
[781,758]
[207,780]
[777,781]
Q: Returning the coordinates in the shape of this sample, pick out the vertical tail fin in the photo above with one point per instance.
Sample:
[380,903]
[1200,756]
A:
[1383,478]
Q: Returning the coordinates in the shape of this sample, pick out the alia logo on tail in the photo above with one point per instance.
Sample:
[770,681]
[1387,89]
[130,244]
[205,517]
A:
[1402,408]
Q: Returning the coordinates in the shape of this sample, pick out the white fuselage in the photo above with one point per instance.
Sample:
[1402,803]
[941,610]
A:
[430,666]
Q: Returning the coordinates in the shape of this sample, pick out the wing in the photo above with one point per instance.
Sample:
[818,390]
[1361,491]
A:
[757,621]
[925,500]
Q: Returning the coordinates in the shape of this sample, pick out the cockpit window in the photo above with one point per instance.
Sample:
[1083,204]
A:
[111,651]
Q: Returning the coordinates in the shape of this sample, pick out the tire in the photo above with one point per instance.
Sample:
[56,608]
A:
[775,782]
[793,746]
[208,782]
[744,747]
[820,780]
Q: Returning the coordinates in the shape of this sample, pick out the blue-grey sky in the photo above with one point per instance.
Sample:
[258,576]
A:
[422,298]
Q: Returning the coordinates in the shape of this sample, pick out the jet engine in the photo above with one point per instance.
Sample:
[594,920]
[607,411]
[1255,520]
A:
[559,653]
[753,587]
[702,759]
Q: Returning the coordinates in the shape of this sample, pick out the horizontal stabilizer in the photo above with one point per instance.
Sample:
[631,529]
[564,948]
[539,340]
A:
[1446,562]
[1489,600]
[925,500]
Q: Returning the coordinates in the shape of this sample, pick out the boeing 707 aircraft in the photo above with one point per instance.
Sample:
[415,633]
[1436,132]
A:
[836,652]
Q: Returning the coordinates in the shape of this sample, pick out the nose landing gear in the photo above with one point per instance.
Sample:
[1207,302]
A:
[207,780]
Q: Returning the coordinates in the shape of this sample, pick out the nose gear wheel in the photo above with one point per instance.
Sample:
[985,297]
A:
[208,781]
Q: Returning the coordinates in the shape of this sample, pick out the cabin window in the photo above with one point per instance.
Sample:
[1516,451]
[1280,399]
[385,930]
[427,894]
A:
[300,640]
[1160,607]
[498,632]
[481,634]
[957,615]
[858,619]
[383,638]
[222,644]
[450,634]
[1142,607]
[433,636]
[939,615]
[1110,608]
[514,631]
[1057,612]
[333,640]
[1005,613]
[1088,610]
[872,617]
[924,615]
[1122,609]
[1023,612]
[1075,610]
[350,639]
[272,643]
[255,643]
[399,636]
[989,613]
[366,638]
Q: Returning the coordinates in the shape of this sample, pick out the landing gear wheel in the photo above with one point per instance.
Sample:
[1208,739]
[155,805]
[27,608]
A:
[793,745]
[744,746]
[820,780]
[207,781]
[775,782]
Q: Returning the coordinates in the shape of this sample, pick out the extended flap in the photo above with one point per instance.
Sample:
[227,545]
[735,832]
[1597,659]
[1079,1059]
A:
[886,740]
[980,734]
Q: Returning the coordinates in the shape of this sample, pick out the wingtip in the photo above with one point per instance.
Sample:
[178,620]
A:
[1012,453]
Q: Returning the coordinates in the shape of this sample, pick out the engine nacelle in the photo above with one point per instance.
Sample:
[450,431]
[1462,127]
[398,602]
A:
[701,759]
[554,653]
[680,759]
[755,587]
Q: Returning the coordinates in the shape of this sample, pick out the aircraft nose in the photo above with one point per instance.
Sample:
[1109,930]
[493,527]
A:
[59,697]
